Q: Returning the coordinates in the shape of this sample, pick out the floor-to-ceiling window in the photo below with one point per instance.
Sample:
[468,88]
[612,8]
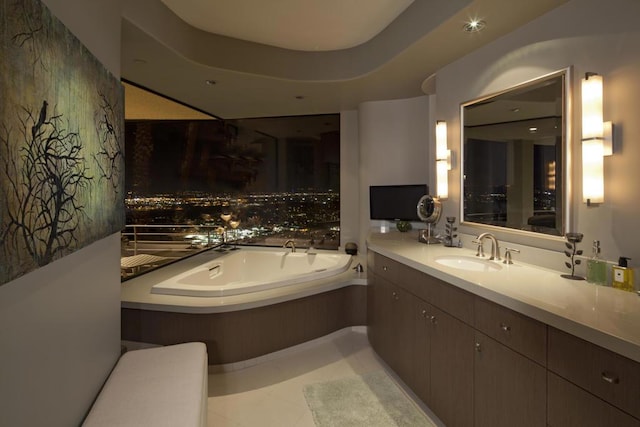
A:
[196,183]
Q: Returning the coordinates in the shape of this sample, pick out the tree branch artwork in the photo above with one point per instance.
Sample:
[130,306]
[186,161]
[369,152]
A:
[33,32]
[47,175]
[61,142]
[109,157]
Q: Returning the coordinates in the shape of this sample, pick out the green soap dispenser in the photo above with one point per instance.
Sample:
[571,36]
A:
[596,266]
[623,275]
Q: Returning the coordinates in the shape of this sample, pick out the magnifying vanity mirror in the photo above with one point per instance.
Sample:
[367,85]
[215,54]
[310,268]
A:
[514,158]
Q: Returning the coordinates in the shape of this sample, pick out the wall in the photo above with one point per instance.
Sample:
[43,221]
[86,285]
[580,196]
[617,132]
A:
[588,35]
[394,148]
[349,179]
[60,325]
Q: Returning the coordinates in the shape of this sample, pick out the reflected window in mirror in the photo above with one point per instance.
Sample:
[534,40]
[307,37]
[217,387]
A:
[514,165]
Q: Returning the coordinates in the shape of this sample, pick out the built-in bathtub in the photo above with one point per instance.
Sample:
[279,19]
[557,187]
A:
[246,271]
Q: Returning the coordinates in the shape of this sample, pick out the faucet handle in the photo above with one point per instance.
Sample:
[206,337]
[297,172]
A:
[480,250]
[507,255]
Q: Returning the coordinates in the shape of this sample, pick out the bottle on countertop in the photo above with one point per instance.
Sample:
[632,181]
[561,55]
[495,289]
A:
[623,275]
[596,266]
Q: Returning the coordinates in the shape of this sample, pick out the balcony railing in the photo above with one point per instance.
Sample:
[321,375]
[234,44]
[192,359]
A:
[147,246]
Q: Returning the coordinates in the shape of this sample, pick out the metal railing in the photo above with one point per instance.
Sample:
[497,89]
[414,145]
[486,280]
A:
[147,246]
[149,238]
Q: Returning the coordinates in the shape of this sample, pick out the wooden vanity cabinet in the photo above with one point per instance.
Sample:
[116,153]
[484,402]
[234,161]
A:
[440,358]
[392,325]
[477,363]
[571,406]
[451,358]
[509,389]
[509,368]
[595,381]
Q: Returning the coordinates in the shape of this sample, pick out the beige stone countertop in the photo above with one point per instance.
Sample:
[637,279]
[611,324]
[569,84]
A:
[136,292]
[602,315]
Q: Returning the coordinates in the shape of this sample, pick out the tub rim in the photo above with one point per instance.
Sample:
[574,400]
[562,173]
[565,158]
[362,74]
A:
[136,292]
[172,285]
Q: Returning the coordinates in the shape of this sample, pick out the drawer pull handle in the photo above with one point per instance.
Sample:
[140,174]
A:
[384,268]
[505,328]
[433,319]
[395,295]
[478,347]
[424,313]
[611,379]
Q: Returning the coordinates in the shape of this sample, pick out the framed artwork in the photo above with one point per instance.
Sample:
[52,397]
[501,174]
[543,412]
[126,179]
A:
[61,142]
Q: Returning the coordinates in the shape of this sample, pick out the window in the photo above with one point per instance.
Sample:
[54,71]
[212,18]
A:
[194,184]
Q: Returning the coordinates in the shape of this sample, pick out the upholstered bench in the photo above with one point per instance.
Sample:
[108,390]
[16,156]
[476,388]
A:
[160,386]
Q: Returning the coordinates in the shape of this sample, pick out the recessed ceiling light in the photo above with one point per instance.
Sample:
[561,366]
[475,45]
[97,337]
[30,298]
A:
[210,82]
[474,26]
[533,129]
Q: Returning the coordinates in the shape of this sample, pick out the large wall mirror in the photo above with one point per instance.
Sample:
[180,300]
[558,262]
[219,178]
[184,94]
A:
[514,157]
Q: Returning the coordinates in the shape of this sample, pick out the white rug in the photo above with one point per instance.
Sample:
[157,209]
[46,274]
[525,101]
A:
[371,400]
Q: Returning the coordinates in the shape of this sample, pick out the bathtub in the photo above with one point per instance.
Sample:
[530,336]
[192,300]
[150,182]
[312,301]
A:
[246,271]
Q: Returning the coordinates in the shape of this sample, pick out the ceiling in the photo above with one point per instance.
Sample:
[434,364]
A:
[242,59]
[311,25]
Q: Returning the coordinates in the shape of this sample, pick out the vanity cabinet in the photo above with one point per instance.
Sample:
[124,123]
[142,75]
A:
[509,388]
[451,364]
[477,363]
[474,363]
[591,380]
[391,325]
[571,406]
[439,364]
[509,367]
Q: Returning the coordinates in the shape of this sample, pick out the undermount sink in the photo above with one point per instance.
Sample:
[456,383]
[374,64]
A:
[469,263]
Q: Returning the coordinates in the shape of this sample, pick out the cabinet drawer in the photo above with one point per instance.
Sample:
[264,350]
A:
[571,406]
[386,267]
[448,298]
[604,373]
[518,332]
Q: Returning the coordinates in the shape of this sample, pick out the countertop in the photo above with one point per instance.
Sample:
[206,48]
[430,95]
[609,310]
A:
[602,315]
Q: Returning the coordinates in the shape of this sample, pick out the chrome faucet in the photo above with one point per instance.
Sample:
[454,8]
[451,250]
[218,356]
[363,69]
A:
[290,242]
[495,247]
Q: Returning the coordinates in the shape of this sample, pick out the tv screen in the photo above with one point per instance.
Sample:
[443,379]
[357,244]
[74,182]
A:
[396,202]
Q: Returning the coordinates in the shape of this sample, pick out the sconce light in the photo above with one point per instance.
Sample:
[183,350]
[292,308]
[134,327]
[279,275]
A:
[597,140]
[443,160]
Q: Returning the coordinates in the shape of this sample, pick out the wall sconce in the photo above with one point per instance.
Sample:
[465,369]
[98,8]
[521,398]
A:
[443,160]
[597,140]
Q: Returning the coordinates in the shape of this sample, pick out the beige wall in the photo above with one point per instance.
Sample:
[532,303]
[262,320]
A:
[60,324]
[349,179]
[394,148]
[588,35]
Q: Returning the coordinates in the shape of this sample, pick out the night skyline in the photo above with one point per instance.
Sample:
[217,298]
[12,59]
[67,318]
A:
[216,157]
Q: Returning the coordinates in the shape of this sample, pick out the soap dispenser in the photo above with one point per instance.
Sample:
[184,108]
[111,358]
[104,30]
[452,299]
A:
[596,267]
[623,275]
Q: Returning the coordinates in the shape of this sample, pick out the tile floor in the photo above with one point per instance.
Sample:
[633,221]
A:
[268,391]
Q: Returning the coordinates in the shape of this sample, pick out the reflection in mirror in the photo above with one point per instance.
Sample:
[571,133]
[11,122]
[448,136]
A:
[514,158]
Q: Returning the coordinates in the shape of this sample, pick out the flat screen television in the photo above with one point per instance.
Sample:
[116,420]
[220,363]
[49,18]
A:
[396,202]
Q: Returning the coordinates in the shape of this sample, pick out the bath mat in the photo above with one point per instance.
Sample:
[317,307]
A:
[371,400]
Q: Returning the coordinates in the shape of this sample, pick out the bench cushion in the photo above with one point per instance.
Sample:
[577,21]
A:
[161,386]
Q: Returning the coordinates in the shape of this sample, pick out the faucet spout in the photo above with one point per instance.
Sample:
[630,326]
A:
[290,243]
[495,246]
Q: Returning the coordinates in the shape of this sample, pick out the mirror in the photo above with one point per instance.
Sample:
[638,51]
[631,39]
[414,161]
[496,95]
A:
[428,209]
[514,158]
